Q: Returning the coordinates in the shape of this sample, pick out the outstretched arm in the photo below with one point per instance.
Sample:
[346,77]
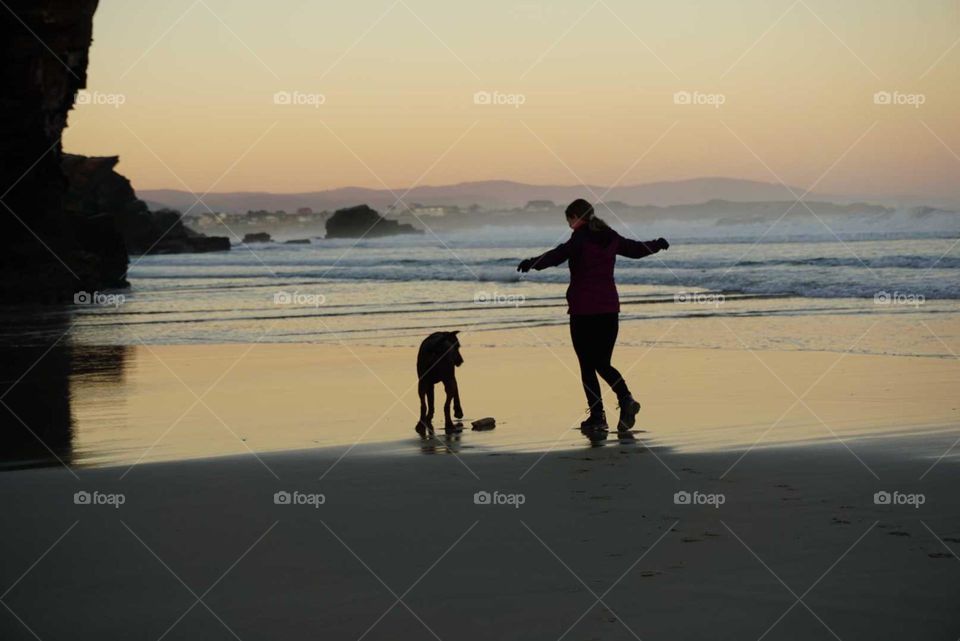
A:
[639,249]
[551,258]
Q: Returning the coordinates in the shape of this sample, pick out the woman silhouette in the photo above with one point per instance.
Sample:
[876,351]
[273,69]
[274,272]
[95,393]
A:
[594,306]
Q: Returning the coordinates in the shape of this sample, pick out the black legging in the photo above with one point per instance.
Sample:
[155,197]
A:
[594,336]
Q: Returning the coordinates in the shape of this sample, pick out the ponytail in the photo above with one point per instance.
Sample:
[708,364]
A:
[580,209]
[597,224]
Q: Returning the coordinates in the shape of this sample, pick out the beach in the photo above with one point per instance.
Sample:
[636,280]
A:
[748,506]
[242,243]
[228,451]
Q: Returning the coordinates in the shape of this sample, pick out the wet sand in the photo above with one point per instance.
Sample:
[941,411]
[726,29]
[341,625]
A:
[169,402]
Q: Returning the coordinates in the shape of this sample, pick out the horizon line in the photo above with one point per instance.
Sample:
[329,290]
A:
[482,181]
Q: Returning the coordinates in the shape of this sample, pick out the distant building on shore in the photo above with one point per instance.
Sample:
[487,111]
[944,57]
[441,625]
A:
[419,211]
[540,205]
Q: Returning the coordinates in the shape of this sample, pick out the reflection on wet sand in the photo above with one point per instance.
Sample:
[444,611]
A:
[35,410]
[442,442]
[39,380]
[99,406]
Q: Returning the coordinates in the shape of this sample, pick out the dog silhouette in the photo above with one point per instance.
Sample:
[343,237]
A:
[437,360]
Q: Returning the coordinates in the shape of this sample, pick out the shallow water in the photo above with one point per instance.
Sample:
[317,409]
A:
[377,290]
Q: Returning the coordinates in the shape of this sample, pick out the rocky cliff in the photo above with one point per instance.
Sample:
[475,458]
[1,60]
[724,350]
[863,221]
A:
[95,189]
[43,64]
[58,237]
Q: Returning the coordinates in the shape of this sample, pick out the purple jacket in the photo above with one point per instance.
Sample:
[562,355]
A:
[592,256]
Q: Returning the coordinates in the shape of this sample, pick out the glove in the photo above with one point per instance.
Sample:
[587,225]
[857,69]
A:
[525,265]
[662,243]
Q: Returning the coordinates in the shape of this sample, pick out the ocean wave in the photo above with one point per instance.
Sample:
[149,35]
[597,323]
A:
[925,267]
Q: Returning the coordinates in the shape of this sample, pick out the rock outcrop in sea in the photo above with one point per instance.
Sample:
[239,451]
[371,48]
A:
[257,237]
[363,221]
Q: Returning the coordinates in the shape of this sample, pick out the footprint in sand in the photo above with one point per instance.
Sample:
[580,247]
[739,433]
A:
[618,486]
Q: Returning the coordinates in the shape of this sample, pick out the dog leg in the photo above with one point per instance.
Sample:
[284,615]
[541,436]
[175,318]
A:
[448,423]
[423,423]
[457,408]
[430,406]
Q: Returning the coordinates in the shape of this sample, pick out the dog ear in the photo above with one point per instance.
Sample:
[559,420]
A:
[455,332]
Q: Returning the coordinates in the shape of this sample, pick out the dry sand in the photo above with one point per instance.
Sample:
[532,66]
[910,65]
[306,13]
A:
[399,549]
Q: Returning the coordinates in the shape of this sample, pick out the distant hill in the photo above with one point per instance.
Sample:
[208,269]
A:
[492,194]
[723,216]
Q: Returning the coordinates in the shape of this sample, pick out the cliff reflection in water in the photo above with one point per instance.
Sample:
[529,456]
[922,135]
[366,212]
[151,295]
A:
[39,379]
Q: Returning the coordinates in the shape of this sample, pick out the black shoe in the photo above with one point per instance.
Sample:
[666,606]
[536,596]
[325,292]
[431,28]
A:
[596,422]
[628,413]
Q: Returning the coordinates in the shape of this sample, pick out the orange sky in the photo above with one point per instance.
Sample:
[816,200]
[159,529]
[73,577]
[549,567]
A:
[184,91]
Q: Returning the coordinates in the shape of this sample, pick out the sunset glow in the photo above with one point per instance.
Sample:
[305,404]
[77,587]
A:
[386,94]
